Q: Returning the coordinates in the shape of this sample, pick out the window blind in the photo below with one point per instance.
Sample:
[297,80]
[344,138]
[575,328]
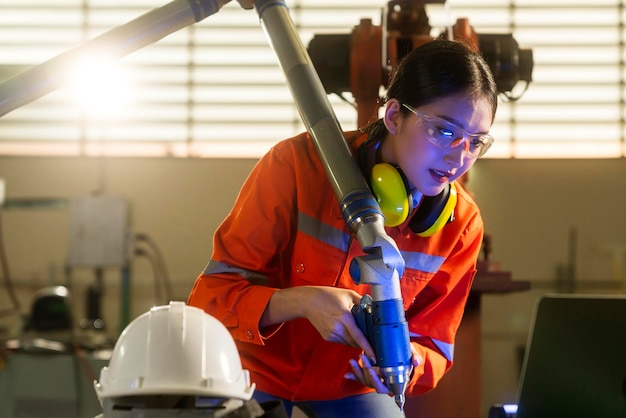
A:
[214,88]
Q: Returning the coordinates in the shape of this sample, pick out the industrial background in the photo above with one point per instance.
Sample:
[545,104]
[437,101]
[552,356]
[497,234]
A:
[153,182]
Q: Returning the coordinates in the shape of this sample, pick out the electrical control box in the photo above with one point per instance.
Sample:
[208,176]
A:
[98,232]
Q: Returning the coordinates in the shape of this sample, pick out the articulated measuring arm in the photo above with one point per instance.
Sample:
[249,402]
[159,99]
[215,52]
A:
[381,317]
[383,265]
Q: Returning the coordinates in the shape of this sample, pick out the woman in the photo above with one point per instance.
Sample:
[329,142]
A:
[279,274]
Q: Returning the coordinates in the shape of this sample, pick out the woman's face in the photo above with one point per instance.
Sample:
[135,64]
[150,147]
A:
[428,167]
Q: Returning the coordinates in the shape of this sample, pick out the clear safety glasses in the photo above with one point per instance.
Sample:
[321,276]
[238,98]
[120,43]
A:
[448,135]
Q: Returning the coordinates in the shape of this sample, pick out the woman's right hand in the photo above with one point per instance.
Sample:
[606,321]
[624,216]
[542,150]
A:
[328,309]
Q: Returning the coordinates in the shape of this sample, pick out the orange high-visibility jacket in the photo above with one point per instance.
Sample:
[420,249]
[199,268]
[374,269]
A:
[286,229]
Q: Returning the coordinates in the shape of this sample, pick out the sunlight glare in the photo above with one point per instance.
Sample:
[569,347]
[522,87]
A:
[101,89]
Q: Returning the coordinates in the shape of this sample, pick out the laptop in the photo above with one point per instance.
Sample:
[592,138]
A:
[575,360]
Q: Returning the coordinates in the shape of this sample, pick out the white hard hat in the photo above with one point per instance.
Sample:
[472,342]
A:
[175,350]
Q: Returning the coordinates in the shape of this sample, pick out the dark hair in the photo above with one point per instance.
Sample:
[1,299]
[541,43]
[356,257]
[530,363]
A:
[441,68]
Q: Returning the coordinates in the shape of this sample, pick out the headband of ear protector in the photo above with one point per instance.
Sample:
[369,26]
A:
[390,186]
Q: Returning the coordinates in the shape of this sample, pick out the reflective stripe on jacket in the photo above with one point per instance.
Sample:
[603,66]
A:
[286,229]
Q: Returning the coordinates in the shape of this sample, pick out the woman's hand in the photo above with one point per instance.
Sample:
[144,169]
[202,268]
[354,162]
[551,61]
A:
[328,309]
[363,371]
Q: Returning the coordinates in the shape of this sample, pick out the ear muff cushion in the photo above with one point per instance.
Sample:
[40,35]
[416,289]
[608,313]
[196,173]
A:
[434,212]
[389,187]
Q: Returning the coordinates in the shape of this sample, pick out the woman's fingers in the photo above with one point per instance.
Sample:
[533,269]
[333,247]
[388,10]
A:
[367,375]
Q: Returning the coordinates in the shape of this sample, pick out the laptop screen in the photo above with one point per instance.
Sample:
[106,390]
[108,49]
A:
[575,360]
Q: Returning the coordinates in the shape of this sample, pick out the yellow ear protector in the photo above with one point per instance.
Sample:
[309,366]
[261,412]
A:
[434,212]
[390,187]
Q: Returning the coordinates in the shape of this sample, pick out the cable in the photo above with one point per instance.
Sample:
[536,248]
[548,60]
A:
[7,277]
[81,363]
[155,269]
[511,98]
[160,263]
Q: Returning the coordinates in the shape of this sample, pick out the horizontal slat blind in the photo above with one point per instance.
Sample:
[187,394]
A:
[214,89]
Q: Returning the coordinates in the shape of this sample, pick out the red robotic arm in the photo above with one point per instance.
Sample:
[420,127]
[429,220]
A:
[371,54]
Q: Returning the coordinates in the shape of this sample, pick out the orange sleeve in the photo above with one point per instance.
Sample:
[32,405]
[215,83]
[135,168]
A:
[249,257]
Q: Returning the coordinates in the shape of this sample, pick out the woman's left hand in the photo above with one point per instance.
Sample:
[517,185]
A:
[363,371]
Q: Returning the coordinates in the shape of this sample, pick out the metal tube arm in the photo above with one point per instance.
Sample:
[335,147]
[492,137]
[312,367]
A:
[383,265]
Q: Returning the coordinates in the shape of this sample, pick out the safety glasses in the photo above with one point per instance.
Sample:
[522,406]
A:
[448,135]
